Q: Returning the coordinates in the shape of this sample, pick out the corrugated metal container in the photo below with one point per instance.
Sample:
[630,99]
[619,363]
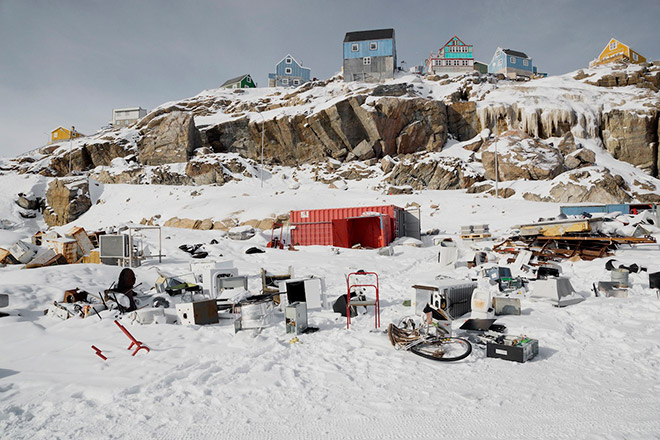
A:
[314,226]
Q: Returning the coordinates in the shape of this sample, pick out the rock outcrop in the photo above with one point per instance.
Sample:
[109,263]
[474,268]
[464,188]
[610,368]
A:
[521,157]
[169,138]
[66,200]
[632,137]
[445,173]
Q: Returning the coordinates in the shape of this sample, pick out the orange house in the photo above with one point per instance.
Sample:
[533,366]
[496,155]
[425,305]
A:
[62,134]
[617,51]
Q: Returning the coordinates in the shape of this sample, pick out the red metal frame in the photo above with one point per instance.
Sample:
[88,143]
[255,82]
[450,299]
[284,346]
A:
[348,296]
[138,345]
[99,353]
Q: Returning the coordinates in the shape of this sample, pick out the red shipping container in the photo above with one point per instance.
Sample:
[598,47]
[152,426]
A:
[345,227]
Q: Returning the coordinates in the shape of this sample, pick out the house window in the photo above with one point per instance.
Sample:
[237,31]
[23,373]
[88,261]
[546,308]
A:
[287,70]
[288,60]
[525,63]
[285,81]
[499,62]
[55,135]
[613,45]
[373,45]
[355,47]
[513,60]
[635,57]
[296,82]
[366,61]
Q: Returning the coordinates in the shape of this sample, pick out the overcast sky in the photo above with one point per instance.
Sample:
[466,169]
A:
[71,62]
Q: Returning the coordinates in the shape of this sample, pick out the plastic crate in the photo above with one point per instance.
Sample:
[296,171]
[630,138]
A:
[513,348]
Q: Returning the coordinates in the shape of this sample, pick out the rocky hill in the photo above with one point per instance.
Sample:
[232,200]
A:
[587,136]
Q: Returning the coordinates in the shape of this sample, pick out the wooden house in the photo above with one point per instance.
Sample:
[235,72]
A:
[127,116]
[616,51]
[240,82]
[369,55]
[289,72]
[454,56]
[511,64]
[63,134]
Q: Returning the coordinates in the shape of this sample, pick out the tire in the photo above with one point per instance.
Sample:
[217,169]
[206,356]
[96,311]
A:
[443,349]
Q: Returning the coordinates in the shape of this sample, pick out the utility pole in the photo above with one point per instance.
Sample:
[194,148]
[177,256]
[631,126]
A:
[73,130]
[497,194]
[263,123]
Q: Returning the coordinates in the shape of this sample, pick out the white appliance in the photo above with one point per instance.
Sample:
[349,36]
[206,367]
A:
[310,290]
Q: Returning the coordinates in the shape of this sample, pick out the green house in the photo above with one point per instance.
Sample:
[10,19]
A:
[240,82]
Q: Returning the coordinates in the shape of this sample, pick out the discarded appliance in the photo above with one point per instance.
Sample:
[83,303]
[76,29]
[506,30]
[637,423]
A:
[482,325]
[654,282]
[113,249]
[504,305]
[558,290]
[310,290]
[547,271]
[452,296]
[295,316]
[270,283]
[475,232]
[23,252]
[360,283]
[448,254]
[370,226]
[231,288]
[501,275]
[134,342]
[69,310]
[154,315]
[254,313]
[612,289]
[513,348]
[481,302]
[620,277]
[198,312]
[633,268]
[207,273]
[45,257]
[75,295]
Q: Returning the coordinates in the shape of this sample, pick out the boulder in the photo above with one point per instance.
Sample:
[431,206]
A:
[592,186]
[66,200]
[364,151]
[580,158]
[631,136]
[442,174]
[28,201]
[241,232]
[521,157]
[168,138]
[566,144]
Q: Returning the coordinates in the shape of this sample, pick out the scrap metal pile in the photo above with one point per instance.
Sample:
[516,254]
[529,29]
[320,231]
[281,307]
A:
[580,238]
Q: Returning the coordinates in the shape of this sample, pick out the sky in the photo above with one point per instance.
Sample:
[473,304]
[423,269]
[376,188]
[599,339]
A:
[69,63]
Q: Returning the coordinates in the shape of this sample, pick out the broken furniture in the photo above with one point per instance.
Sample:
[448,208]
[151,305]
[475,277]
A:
[177,285]
[558,290]
[310,290]
[452,296]
[198,312]
[295,317]
[370,226]
[513,348]
[359,283]
[448,253]
[134,342]
[270,283]
[501,275]
[475,232]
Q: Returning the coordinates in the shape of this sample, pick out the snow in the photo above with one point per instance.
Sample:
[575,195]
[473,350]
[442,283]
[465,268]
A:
[595,376]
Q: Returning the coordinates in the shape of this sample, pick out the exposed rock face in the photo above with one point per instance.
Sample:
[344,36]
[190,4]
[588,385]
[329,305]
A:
[462,121]
[169,138]
[606,189]
[579,158]
[446,173]
[646,77]
[85,157]
[632,137]
[521,157]
[392,126]
[66,200]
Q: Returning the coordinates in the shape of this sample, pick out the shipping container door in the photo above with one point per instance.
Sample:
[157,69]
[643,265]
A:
[340,236]
[366,231]
[409,224]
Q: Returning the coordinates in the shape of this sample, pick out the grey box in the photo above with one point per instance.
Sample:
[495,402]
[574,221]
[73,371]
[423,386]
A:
[198,312]
[513,348]
[295,316]
[4,300]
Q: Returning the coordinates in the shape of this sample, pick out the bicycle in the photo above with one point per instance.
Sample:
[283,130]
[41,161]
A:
[428,340]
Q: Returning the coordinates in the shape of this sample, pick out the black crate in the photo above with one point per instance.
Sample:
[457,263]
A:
[511,349]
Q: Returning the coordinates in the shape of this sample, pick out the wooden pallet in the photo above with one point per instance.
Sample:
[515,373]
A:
[475,236]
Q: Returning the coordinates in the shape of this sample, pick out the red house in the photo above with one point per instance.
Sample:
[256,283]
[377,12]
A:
[369,226]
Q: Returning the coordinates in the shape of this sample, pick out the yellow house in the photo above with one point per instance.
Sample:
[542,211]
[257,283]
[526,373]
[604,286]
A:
[62,134]
[617,51]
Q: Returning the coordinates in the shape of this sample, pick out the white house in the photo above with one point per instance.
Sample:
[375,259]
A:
[127,116]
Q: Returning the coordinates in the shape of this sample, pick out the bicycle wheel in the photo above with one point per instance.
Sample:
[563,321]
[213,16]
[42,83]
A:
[443,349]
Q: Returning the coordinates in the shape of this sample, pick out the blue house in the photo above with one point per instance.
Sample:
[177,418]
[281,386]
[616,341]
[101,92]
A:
[511,63]
[369,55]
[289,72]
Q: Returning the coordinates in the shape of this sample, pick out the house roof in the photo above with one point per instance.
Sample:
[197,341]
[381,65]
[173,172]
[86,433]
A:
[296,61]
[377,34]
[234,80]
[456,37]
[515,53]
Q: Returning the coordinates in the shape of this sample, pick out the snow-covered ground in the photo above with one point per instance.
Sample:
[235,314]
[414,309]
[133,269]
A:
[596,375]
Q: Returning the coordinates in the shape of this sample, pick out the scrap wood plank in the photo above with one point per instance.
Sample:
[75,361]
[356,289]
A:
[613,240]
